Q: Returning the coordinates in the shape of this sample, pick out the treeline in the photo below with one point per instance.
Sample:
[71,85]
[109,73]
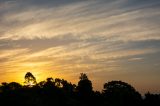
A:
[59,92]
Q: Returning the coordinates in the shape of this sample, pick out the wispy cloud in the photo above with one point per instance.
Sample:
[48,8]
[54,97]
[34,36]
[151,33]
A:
[11,53]
[80,18]
[135,59]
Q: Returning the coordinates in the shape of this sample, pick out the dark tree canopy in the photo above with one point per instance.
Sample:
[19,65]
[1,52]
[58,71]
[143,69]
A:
[152,99]
[83,76]
[60,92]
[30,80]
[114,85]
[121,92]
[84,85]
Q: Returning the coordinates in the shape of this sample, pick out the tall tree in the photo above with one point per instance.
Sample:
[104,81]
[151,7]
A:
[84,85]
[30,80]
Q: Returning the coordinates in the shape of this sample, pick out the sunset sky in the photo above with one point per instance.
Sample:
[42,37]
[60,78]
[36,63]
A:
[107,39]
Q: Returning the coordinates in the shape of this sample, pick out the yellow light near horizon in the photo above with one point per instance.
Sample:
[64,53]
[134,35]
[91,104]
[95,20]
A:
[40,75]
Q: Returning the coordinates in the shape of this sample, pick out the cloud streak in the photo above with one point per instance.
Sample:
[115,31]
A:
[80,18]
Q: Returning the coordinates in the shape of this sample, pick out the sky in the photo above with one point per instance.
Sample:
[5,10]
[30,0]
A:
[106,39]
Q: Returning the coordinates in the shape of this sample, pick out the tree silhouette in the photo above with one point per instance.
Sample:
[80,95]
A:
[84,85]
[152,99]
[83,76]
[58,82]
[60,92]
[30,80]
[84,89]
[14,86]
[50,83]
[121,92]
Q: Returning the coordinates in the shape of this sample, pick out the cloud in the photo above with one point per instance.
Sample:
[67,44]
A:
[68,58]
[135,59]
[81,19]
[11,53]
